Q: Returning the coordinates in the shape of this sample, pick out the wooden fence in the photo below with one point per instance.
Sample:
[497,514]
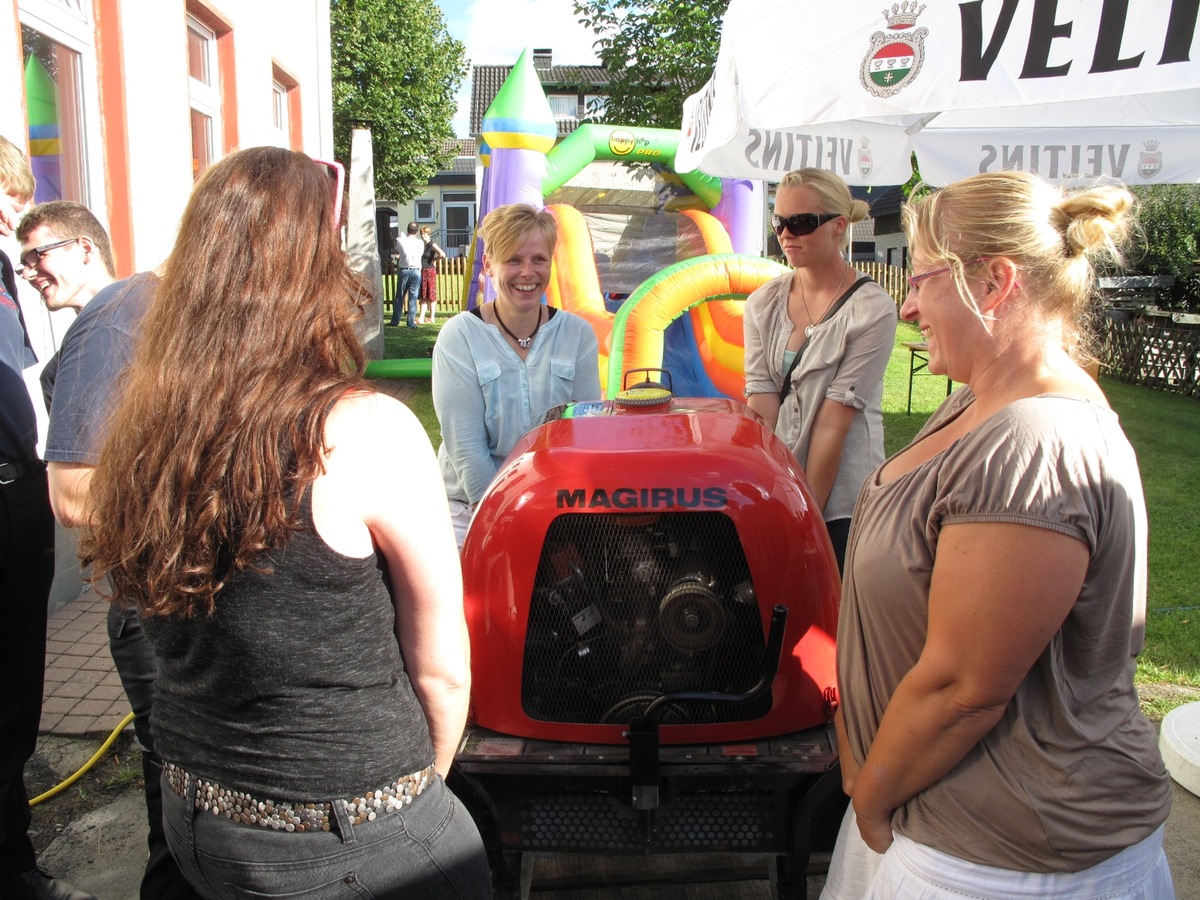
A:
[892,279]
[1151,351]
[452,275]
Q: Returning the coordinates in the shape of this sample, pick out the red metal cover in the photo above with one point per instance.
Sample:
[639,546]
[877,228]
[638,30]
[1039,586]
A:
[627,582]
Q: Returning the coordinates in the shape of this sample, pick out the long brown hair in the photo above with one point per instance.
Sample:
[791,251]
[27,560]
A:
[248,343]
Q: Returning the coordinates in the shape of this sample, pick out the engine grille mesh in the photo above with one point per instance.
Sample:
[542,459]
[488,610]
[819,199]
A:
[627,607]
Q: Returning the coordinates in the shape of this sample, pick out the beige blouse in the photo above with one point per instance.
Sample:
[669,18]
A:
[1071,774]
[844,361]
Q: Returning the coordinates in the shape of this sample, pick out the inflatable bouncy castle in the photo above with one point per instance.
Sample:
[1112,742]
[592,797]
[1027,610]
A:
[655,260]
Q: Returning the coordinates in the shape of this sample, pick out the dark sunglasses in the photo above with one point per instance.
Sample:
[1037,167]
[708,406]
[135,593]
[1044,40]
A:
[801,223]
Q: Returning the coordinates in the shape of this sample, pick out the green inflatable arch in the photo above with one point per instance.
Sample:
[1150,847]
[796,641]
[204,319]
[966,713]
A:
[588,143]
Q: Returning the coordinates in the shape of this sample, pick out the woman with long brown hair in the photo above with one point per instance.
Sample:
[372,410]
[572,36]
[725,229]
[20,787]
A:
[307,616]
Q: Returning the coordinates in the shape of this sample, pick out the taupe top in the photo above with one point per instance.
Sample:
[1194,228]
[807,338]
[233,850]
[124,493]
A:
[845,361]
[1071,774]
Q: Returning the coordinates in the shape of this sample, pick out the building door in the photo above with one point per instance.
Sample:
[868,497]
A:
[458,224]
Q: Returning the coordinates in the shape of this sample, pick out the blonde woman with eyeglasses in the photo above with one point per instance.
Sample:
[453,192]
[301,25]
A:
[995,592]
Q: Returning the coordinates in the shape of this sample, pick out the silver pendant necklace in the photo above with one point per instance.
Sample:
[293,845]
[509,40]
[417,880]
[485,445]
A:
[526,342]
[813,323]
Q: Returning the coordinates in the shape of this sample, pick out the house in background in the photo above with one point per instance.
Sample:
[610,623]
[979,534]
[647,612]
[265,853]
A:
[879,237]
[446,205]
[890,242]
[577,94]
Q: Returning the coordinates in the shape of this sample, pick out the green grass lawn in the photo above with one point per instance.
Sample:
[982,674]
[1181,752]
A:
[1163,428]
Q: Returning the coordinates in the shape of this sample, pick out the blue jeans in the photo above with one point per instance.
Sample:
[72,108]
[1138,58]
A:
[408,285]
[430,849]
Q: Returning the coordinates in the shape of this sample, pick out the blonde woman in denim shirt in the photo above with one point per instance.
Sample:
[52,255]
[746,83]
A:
[498,367]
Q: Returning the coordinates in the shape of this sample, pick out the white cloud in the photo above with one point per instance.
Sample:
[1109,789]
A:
[496,31]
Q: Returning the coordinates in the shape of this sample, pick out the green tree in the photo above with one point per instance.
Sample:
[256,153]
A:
[1170,221]
[396,68]
[657,53]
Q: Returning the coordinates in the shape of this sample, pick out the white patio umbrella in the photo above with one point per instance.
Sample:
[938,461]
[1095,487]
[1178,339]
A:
[1072,89]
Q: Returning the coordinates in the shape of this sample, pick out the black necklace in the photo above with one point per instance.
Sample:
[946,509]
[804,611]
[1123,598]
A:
[524,342]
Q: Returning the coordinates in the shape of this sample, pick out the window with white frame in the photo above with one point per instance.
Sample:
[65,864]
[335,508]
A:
[54,98]
[59,81]
[424,210]
[564,106]
[594,106]
[204,93]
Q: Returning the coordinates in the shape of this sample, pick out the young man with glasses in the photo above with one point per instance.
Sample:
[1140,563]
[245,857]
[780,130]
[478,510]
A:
[26,566]
[79,382]
[65,254]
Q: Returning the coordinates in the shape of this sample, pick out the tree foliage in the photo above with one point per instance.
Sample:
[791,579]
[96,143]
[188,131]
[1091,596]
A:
[1170,221]
[397,69]
[657,53]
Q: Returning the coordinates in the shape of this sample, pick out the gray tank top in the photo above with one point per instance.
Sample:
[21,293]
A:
[295,688]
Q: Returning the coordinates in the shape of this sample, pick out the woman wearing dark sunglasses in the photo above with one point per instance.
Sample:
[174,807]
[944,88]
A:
[817,342]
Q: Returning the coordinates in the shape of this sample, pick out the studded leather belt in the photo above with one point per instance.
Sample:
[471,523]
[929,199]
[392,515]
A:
[239,806]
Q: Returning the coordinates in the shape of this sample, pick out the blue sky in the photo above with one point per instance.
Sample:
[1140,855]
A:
[496,31]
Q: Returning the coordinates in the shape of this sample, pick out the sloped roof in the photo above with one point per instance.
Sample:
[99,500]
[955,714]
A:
[463,163]
[486,82]
[884,201]
[460,146]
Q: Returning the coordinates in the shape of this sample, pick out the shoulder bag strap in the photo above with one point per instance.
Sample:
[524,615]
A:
[830,313]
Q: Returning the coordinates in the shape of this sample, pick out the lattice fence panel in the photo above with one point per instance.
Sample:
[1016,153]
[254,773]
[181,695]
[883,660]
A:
[1164,357]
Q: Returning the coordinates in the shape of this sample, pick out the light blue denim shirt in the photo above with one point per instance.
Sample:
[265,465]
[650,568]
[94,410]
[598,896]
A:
[486,397]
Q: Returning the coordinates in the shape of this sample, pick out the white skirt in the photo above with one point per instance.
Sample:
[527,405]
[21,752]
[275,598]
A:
[913,871]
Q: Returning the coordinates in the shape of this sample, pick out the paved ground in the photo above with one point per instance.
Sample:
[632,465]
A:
[104,850]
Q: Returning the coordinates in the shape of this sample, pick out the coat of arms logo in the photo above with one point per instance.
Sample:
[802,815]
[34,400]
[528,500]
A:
[865,163]
[1150,160]
[895,57]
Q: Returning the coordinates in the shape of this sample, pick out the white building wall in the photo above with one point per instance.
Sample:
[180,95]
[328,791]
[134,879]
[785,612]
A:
[153,36]
[294,33]
[154,51]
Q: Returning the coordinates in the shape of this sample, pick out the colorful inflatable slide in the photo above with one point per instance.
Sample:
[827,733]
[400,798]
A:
[684,312]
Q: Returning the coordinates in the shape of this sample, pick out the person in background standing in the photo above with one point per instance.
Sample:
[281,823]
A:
[409,250]
[429,259]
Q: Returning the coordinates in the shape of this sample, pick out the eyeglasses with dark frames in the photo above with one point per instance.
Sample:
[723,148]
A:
[914,281]
[32,257]
[801,223]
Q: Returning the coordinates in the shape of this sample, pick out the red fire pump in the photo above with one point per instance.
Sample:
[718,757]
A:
[652,602]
